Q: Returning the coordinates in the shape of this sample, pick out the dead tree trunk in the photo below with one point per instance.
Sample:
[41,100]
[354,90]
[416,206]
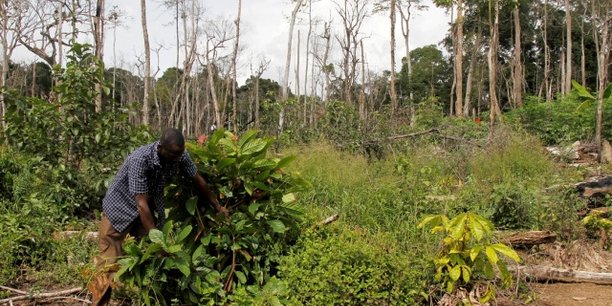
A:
[393,92]
[147,63]
[285,85]
[234,70]
[517,64]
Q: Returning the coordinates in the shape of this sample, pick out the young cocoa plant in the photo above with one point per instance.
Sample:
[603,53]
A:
[199,257]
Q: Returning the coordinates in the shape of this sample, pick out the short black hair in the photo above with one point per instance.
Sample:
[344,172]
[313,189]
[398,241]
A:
[171,137]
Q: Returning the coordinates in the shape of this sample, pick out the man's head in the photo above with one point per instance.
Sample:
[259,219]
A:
[171,145]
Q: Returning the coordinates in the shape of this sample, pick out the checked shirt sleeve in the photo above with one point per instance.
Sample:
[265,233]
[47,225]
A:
[137,179]
[187,165]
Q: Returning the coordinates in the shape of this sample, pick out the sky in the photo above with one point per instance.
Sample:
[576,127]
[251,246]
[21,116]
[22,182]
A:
[264,33]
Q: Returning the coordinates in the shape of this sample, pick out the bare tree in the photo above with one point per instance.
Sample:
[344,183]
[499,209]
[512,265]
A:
[393,92]
[517,64]
[492,60]
[261,68]
[568,49]
[285,86]
[602,22]
[234,70]
[459,59]
[147,63]
[98,30]
[352,14]
[8,44]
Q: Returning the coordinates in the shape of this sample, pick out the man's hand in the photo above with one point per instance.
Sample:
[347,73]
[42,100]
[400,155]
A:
[223,211]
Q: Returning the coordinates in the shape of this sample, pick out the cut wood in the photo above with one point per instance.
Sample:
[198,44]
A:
[546,274]
[41,295]
[595,187]
[330,219]
[70,234]
[531,238]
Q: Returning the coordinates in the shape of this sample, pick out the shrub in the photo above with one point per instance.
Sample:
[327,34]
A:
[561,121]
[468,255]
[337,266]
[199,257]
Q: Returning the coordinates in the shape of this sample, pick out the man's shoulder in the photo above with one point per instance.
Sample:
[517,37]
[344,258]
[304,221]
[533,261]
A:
[142,153]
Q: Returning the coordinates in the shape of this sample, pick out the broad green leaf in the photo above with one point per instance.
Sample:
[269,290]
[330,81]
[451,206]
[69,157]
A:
[156,236]
[264,163]
[457,226]
[507,251]
[191,205]
[152,249]
[289,198]
[254,146]
[455,273]
[582,91]
[492,255]
[183,266]
[228,144]
[253,208]
[197,253]
[474,252]
[285,161]
[608,92]
[173,249]
[241,277]
[184,233]
[466,273]
[277,226]
[246,137]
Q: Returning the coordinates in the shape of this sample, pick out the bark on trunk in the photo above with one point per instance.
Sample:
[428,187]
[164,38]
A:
[285,85]
[393,92]
[147,64]
[546,274]
[492,61]
[99,46]
[517,82]
[568,49]
[459,60]
[234,70]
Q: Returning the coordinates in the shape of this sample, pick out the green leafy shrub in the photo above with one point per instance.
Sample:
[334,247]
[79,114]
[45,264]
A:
[337,266]
[70,132]
[562,121]
[468,255]
[200,257]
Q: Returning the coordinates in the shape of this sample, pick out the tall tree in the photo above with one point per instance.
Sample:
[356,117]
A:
[517,63]
[393,92]
[459,59]
[602,22]
[494,109]
[98,29]
[352,13]
[234,70]
[567,78]
[285,86]
[147,63]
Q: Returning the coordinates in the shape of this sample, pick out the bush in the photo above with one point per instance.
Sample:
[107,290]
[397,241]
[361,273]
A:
[562,121]
[200,257]
[336,266]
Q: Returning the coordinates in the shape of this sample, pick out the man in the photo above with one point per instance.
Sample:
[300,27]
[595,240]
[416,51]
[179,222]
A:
[134,198]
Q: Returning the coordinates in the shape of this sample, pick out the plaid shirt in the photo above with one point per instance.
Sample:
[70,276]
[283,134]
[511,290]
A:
[142,173]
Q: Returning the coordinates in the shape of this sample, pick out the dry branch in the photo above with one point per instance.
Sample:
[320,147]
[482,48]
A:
[12,289]
[544,274]
[531,238]
[41,295]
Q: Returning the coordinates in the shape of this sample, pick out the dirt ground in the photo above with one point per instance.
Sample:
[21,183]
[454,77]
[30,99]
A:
[572,294]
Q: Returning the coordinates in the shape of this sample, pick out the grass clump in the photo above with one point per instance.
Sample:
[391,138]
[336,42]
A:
[338,266]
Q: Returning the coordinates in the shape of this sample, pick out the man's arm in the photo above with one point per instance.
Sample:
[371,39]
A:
[146,216]
[199,181]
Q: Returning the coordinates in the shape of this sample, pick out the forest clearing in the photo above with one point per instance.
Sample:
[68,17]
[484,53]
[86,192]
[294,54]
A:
[475,170]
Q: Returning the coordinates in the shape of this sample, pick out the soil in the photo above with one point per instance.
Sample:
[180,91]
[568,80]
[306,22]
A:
[572,294]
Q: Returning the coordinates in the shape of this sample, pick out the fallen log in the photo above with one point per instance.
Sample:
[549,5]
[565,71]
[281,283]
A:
[595,187]
[41,295]
[547,274]
[70,234]
[531,238]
